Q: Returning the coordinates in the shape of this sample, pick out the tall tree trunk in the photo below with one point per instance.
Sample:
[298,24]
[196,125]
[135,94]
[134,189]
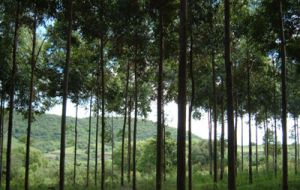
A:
[75,148]
[181,128]
[215,117]
[249,122]
[242,142]
[89,144]
[256,147]
[1,131]
[228,66]
[164,145]
[235,132]
[283,102]
[129,140]
[65,94]
[11,96]
[124,124]
[159,140]
[267,141]
[27,161]
[222,133]
[295,138]
[103,114]
[190,175]
[97,141]
[135,124]
[210,142]
[112,150]
[275,120]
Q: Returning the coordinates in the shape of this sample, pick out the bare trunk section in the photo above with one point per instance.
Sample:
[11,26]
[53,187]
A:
[215,117]
[75,148]
[129,140]
[222,133]
[27,157]
[89,144]
[11,97]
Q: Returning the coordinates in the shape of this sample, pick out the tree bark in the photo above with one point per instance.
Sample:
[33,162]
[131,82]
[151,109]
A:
[27,157]
[249,122]
[1,131]
[222,133]
[242,142]
[275,120]
[159,137]
[89,144]
[65,94]
[135,123]
[124,124]
[215,117]
[256,148]
[181,128]
[228,67]
[129,140]
[102,114]
[295,146]
[97,140]
[11,96]
[190,174]
[75,148]
[210,142]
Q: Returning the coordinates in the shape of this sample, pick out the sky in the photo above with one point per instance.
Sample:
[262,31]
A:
[199,127]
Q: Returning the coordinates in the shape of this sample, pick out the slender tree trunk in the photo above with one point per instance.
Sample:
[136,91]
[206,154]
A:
[11,96]
[222,133]
[129,140]
[181,128]
[283,102]
[159,140]
[210,142]
[135,124]
[256,148]
[190,175]
[228,65]
[267,142]
[275,120]
[75,148]
[295,138]
[124,125]
[249,122]
[235,132]
[1,131]
[27,161]
[65,94]
[89,145]
[97,141]
[164,149]
[242,142]
[215,117]
[112,150]
[103,114]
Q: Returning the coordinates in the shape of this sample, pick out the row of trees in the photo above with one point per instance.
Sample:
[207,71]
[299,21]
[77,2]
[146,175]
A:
[123,54]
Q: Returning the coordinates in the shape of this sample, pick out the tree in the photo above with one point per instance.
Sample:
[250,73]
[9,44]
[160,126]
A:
[228,66]
[69,10]
[182,97]
[11,96]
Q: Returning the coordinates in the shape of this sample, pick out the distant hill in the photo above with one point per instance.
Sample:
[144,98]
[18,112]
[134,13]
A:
[46,131]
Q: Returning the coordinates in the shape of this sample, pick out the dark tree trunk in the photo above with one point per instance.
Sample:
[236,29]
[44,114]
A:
[159,140]
[65,94]
[97,140]
[242,142]
[222,133]
[89,145]
[103,114]
[249,122]
[135,125]
[11,96]
[124,125]
[228,66]
[129,140]
[283,102]
[275,121]
[190,175]
[164,145]
[210,142]
[296,150]
[1,131]
[27,161]
[112,150]
[256,148]
[215,117]
[181,128]
[235,132]
[75,148]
